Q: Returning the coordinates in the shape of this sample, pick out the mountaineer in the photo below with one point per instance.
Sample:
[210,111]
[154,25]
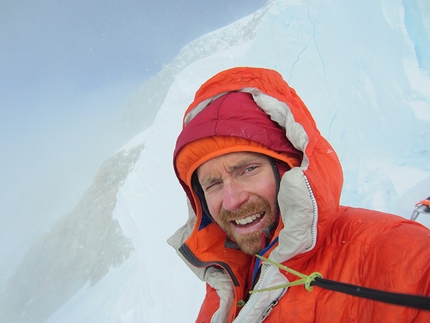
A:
[260,179]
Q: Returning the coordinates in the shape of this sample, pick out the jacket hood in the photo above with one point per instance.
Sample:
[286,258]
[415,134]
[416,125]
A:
[309,192]
[232,122]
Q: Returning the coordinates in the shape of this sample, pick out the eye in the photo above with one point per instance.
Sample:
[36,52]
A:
[250,168]
[212,185]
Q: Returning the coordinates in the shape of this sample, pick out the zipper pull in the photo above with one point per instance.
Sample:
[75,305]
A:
[268,310]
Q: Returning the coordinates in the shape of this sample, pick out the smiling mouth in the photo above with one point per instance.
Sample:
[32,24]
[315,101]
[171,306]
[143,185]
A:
[249,219]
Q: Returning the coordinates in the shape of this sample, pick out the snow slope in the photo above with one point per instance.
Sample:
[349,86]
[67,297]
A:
[362,68]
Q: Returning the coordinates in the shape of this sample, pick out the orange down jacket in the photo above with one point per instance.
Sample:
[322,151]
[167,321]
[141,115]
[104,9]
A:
[351,245]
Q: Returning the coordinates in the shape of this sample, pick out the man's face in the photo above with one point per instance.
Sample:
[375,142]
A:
[240,192]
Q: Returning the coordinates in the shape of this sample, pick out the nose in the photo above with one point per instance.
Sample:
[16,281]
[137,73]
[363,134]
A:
[234,196]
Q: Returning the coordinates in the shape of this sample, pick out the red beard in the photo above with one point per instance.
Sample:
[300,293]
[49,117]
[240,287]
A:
[249,243]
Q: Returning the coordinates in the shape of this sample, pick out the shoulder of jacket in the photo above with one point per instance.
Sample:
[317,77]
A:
[373,227]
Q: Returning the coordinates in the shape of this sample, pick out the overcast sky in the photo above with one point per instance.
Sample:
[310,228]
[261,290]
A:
[67,67]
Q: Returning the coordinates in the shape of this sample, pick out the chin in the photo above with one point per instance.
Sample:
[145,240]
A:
[250,244]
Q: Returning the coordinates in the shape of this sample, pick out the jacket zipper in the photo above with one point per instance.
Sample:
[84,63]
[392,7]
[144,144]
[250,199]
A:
[262,282]
[314,211]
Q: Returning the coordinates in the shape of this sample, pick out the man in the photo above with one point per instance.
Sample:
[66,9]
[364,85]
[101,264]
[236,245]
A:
[260,179]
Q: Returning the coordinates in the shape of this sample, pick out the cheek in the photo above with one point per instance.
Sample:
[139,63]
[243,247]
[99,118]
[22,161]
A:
[269,191]
[273,191]
[214,206]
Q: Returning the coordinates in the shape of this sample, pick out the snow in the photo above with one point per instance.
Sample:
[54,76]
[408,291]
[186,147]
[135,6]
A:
[362,69]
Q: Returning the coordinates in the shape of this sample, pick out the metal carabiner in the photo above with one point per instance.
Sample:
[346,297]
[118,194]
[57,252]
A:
[422,207]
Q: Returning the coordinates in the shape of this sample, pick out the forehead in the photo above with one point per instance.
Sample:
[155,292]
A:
[230,162]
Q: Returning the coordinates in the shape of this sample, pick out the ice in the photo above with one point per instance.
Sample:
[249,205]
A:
[362,68]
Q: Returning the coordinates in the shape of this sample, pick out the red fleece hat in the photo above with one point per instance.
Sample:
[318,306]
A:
[231,123]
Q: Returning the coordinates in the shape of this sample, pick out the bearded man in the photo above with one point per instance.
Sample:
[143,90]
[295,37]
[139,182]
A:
[260,179]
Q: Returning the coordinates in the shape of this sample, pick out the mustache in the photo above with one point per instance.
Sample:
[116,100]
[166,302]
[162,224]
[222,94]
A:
[261,205]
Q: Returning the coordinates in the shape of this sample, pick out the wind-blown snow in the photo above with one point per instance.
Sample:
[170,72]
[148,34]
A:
[363,70]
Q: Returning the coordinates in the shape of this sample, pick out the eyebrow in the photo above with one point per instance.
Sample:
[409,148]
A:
[240,164]
[252,158]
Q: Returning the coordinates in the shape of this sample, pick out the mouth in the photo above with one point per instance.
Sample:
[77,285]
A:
[249,220]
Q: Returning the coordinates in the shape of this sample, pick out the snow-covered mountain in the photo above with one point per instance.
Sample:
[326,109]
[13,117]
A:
[362,68]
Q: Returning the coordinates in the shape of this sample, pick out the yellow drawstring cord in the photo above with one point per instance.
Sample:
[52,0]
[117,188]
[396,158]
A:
[305,280]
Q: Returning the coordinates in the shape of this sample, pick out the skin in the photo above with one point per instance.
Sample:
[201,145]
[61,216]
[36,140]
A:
[240,192]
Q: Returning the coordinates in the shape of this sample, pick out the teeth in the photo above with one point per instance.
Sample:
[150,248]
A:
[248,219]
